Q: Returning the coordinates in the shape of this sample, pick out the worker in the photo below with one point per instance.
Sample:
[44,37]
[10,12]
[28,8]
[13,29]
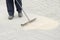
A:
[10,8]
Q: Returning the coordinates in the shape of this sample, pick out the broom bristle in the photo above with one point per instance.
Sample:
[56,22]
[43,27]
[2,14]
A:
[28,22]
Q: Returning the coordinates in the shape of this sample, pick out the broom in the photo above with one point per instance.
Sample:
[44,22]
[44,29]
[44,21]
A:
[29,21]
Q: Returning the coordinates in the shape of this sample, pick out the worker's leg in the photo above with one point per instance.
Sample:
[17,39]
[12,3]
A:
[18,4]
[10,7]
[19,9]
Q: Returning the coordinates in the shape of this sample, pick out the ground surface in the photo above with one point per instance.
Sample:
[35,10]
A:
[11,30]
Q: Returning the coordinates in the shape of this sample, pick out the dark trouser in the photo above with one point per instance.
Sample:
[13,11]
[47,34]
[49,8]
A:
[10,6]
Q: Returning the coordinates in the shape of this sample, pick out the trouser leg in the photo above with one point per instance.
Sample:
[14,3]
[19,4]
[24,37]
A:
[10,7]
[19,9]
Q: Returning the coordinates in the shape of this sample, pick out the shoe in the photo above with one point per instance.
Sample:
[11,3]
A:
[20,14]
[10,17]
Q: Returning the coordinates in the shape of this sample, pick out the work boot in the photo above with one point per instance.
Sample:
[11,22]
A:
[10,17]
[20,14]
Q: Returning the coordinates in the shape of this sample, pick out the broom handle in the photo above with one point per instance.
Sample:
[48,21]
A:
[23,11]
